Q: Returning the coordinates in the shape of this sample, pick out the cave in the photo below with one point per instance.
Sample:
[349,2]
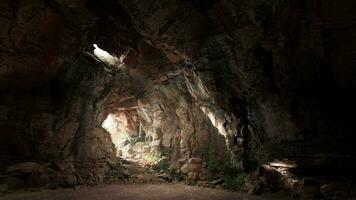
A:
[177,99]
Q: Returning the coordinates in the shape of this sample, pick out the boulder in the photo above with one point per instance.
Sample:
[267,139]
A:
[69,179]
[253,188]
[64,176]
[191,167]
[334,191]
[217,182]
[146,149]
[24,168]
[155,143]
[28,173]
[195,160]
[138,147]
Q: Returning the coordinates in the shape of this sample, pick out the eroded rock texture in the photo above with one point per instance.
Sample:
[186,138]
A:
[234,83]
[272,62]
[51,92]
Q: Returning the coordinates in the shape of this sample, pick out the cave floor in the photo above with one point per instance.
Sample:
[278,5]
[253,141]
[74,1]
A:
[138,192]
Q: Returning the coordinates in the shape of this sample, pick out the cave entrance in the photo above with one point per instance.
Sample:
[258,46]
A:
[131,141]
[134,146]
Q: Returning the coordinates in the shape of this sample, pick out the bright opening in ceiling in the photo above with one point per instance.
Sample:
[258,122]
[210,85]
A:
[109,59]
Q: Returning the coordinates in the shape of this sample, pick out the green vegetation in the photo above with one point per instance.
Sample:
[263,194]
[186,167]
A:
[234,181]
[213,166]
[161,165]
[233,177]
[150,159]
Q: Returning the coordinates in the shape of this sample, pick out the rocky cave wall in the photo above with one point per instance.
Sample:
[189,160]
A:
[283,66]
[267,80]
[154,94]
[51,92]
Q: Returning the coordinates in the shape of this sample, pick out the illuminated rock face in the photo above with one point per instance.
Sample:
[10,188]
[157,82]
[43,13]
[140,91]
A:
[152,98]
[275,71]
[236,82]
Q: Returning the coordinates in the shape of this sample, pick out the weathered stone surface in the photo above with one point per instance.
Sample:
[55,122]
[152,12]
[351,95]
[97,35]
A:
[29,173]
[26,168]
[255,56]
[238,83]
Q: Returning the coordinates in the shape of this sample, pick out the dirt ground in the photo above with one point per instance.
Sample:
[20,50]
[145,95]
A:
[137,192]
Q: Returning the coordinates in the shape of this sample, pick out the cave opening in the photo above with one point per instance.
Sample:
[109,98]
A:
[130,140]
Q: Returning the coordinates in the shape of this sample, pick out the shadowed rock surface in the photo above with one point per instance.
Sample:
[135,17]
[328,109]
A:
[254,95]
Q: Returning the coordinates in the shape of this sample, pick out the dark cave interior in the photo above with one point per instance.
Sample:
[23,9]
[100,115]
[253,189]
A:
[261,92]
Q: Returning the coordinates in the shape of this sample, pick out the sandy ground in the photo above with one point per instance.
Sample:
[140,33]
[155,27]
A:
[137,192]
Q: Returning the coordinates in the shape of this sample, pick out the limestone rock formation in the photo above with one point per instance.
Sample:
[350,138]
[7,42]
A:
[198,87]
